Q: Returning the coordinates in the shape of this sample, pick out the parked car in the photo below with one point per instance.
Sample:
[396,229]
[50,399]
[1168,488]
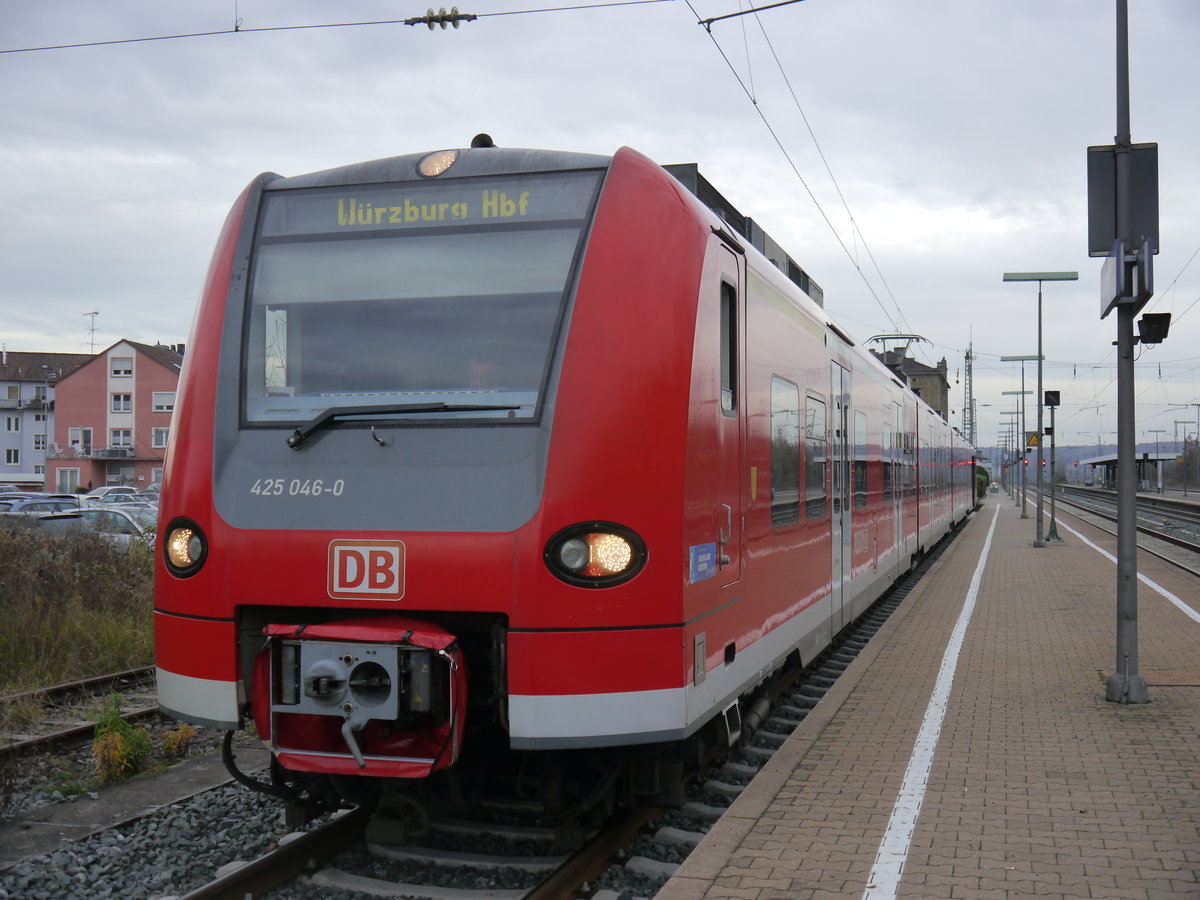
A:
[115,499]
[105,490]
[13,496]
[43,505]
[120,525]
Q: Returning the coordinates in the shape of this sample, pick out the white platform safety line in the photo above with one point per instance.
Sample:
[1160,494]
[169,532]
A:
[1192,614]
[884,880]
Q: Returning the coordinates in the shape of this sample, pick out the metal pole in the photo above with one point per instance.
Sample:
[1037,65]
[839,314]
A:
[1038,541]
[1126,684]
[1024,455]
[1052,534]
[1157,465]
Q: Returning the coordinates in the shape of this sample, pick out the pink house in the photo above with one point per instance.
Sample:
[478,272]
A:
[112,417]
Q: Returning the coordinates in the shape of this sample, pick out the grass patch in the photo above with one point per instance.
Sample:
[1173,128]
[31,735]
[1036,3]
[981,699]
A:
[71,606]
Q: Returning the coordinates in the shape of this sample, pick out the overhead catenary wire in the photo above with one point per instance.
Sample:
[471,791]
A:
[238,29]
[855,230]
[796,170]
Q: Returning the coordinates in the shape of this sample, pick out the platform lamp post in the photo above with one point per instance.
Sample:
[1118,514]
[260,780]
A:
[1024,442]
[1016,451]
[1006,436]
[1003,441]
[1039,277]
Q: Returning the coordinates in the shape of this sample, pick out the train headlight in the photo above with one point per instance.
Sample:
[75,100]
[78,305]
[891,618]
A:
[185,547]
[595,554]
[436,163]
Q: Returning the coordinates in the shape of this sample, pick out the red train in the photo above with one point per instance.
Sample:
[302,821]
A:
[517,445]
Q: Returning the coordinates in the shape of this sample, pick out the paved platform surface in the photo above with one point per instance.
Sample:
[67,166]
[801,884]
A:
[1019,779]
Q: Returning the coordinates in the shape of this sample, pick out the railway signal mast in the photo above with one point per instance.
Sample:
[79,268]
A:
[1123,226]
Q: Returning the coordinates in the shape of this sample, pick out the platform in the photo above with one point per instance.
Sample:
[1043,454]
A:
[970,751]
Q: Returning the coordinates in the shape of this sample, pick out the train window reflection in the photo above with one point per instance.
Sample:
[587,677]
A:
[815,455]
[785,452]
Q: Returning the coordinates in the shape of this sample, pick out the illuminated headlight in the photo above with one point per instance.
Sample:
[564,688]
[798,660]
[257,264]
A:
[184,548]
[595,554]
[436,163]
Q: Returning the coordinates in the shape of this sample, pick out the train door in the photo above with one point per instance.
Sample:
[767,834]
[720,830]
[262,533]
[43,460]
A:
[727,516]
[840,530]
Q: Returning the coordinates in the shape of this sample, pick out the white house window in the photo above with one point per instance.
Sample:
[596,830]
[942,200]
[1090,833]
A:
[164,401]
[39,417]
[122,367]
[80,439]
[121,437]
[12,423]
[122,402]
[160,438]
[39,442]
[12,457]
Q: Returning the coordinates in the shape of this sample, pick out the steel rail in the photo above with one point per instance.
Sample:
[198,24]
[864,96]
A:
[301,855]
[594,857]
[80,688]
[1148,532]
[65,692]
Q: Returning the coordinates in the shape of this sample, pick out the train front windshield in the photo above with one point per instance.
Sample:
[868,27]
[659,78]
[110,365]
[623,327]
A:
[411,296]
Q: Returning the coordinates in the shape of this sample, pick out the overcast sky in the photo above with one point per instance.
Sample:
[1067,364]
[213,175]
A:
[956,132]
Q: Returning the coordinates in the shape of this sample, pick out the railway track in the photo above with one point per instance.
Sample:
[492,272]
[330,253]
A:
[323,857]
[1166,532]
[67,712]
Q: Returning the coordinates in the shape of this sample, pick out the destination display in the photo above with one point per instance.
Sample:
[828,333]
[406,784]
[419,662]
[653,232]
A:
[472,202]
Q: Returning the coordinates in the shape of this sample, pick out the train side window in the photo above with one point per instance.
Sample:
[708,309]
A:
[729,356]
[785,452]
[815,455]
[860,459]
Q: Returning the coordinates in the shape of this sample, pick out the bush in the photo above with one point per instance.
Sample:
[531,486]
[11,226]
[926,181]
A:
[119,747]
[71,606]
[178,741]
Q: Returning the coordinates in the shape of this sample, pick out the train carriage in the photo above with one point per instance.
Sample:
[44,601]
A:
[517,443]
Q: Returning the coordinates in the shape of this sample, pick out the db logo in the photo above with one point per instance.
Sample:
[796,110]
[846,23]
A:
[366,570]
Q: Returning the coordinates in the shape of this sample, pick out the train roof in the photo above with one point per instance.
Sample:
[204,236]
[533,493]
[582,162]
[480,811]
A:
[482,158]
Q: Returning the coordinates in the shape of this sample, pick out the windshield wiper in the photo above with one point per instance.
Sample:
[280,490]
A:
[296,439]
